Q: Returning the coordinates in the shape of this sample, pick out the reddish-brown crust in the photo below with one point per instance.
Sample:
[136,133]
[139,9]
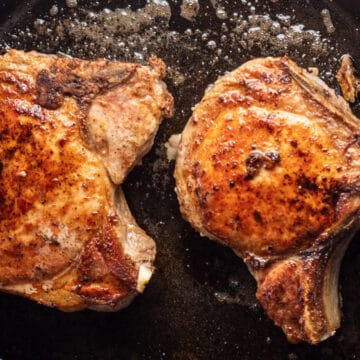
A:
[102,296]
[103,262]
[291,294]
[77,79]
[282,296]
[268,164]
[263,172]
[266,178]
[62,235]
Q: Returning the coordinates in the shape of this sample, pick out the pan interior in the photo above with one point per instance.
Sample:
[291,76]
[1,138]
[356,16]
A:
[201,302]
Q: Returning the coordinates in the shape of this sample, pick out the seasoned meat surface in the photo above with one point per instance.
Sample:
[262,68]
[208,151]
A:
[70,132]
[269,165]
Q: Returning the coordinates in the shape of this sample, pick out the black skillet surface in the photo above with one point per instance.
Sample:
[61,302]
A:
[200,303]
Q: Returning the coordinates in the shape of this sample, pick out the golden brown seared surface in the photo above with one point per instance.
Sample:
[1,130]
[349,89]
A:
[70,131]
[269,164]
[263,170]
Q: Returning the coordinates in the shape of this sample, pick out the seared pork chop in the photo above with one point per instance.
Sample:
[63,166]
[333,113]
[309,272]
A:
[269,165]
[70,132]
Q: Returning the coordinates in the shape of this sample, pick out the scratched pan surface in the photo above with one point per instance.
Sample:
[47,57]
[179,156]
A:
[200,303]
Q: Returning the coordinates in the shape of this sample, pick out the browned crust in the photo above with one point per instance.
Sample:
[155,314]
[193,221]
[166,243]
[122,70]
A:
[218,159]
[291,294]
[63,239]
[300,293]
[268,164]
[103,262]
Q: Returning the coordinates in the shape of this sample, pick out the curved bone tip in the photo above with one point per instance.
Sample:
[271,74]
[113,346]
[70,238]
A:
[145,273]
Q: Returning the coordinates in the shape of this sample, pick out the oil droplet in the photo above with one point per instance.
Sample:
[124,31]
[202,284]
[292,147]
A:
[54,10]
[221,13]
[211,45]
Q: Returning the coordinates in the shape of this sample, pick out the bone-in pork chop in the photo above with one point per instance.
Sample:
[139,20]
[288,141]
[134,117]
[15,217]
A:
[70,132]
[269,165]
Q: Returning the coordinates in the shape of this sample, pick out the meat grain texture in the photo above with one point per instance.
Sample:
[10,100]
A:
[269,165]
[71,130]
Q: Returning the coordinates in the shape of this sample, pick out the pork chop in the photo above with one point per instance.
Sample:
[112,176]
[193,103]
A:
[269,165]
[70,132]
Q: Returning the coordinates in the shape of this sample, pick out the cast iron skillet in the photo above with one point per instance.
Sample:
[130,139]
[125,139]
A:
[181,314]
